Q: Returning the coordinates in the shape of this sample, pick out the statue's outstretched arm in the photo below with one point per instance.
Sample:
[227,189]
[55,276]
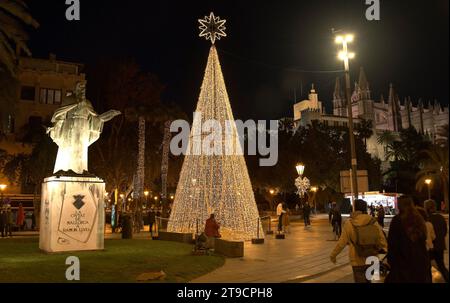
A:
[109,115]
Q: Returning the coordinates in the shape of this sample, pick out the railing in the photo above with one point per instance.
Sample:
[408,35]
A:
[266,224]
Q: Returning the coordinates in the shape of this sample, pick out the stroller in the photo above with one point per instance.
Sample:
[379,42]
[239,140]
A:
[201,245]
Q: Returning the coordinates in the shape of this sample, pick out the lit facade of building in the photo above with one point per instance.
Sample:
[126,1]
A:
[392,115]
[43,85]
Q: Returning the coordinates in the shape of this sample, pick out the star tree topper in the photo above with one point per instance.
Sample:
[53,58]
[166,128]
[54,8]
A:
[212,28]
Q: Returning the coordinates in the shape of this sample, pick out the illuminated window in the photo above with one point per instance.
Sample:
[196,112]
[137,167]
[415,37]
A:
[50,96]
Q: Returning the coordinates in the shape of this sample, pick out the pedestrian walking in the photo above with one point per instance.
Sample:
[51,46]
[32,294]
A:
[431,235]
[306,214]
[365,238]
[9,221]
[372,210]
[330,211]
[286,220]
[20,221]
[151,220]
[439,243]
[408,257]
[2,221]
[336,220]
[381,215]
[280,213]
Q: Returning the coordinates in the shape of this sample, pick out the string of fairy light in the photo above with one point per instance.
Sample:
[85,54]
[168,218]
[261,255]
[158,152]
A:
[217,184]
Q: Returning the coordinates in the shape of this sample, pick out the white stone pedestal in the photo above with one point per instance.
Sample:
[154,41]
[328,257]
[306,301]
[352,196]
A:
[72,214]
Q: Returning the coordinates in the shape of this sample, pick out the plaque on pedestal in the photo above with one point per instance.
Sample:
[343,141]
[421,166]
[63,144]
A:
[72,216]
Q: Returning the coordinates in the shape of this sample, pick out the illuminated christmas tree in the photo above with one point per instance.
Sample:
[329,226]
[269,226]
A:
[217,184]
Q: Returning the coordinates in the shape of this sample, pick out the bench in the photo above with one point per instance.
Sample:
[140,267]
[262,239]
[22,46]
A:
[231,249]
[175,237]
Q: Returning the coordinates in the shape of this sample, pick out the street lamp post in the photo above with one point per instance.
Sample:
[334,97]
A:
[2,189]
[146,193]
[428,183]
[314,190]
[344,55]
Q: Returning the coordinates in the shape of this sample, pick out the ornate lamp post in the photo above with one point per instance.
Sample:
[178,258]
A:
[428,183]
[302,183]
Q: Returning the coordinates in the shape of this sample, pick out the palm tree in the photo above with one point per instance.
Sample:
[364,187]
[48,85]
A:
[435,167]
[365,130]
[442,136]
[13,15]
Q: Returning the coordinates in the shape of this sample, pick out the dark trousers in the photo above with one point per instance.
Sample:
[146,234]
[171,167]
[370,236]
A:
[438,257]
[359,274]
[6,229]
[150,228]
[306,219]
[280,223]
[337,225]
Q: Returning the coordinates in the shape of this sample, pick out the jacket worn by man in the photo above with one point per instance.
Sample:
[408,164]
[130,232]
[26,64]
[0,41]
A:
[348,237]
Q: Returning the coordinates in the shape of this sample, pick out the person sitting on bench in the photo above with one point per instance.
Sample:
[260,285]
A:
[212,227]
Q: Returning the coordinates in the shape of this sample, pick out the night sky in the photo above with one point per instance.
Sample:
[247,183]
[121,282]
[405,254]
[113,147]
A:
[272,48]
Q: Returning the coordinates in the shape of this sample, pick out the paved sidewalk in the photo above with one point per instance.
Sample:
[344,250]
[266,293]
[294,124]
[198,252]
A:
[303,257]
[303,254]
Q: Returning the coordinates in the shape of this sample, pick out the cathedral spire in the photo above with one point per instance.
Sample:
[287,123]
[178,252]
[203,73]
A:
[337,95]
[391,97]
[420,106]
[363,84]
[408,110]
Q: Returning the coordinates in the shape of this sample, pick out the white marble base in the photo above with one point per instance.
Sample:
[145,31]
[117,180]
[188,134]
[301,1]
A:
[72,214]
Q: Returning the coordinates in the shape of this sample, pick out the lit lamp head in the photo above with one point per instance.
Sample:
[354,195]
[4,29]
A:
[146,193]
[122,196]
[314,189]
[427,181]
[344,39]
[300,167]
[172,197]
[272,192]
[156,198]
[3,187]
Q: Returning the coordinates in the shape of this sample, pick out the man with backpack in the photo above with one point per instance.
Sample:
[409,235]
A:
[365,238]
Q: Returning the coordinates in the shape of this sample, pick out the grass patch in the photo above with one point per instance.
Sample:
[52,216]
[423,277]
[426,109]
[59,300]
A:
[121,261]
